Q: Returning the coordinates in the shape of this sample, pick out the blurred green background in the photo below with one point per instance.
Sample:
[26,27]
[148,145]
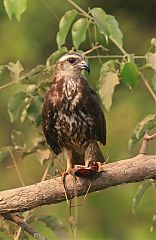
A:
[106,214]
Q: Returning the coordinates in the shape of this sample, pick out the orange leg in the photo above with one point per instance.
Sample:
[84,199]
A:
[68,156]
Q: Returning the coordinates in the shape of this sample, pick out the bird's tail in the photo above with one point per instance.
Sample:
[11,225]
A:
[93,153]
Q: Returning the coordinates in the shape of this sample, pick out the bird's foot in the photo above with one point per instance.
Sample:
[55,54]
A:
[65,173]
[91,169]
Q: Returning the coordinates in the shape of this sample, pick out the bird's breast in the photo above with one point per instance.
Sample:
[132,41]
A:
[72,91]
[69,89]
[74,129]
[74,126]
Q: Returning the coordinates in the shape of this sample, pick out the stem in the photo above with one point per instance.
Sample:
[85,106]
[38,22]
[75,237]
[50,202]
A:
[16,167]
[93,48]
[145,142]
[20,222]
[118,46]
[46,170]
[149,87]
[113,56]
[79,9]
[51,10]
[6,85]
[30,211]
[88,16]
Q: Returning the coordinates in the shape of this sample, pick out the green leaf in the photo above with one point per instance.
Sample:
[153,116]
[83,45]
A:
[107,83]
[100,18]
[55,56]
[64,26]
[15,70]
[79,29]
[114,30]
[138,196]
[151,60]
[38,69]
[15,8]
[147,123]
[32,76]
[23,114]
[4,153]
[15,105]
[130,75]
[154,81]
[38,77]
[56,225]
[107,25]
[34,110]
[17,139]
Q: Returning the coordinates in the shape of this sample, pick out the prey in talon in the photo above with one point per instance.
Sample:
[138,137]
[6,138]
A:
[72,117]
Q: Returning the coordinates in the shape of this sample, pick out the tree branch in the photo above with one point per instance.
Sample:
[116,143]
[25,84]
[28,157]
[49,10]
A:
[51,191]
[25,226]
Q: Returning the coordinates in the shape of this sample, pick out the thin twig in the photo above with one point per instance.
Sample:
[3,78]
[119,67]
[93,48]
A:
[89,34]
[75,209]
[145,142]
[51,10]
[95,39]
[20,222]
[149,87]
[118,46]
[150,137]
[29,212]
[22,182]
[79,9]
[93,49]
[113,56]
[7,85]
[16,167]
[46,170]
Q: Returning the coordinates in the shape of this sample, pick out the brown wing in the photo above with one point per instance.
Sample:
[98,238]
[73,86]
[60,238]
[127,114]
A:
[92,104]
[49,115]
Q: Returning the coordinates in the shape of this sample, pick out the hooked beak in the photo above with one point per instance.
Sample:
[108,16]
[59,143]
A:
[84,65]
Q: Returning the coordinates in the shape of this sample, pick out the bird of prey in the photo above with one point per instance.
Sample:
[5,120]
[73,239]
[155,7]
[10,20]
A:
[72,118]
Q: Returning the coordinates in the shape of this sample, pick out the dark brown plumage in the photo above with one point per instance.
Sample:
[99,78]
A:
[73,119]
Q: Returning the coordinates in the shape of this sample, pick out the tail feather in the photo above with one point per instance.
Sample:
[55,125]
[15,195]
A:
[93,153]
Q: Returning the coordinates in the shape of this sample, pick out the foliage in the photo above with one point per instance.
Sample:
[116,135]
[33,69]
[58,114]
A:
[107,82]
[124,70]
[15,8]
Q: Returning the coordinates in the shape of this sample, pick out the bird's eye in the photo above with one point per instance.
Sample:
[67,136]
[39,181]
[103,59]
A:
[71,60]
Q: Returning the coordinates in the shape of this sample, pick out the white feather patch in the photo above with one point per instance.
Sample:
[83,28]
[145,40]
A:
[66,56]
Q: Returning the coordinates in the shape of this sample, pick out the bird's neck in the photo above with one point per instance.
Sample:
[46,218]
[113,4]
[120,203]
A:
[70,74]
[68,84]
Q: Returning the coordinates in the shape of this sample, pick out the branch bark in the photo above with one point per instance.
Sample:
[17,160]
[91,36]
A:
[25,226]
[52,191]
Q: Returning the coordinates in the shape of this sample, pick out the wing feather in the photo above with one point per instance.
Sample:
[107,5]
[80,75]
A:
[49,115]
[94,109]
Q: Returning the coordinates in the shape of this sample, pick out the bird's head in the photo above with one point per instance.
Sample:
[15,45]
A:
[72,63]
